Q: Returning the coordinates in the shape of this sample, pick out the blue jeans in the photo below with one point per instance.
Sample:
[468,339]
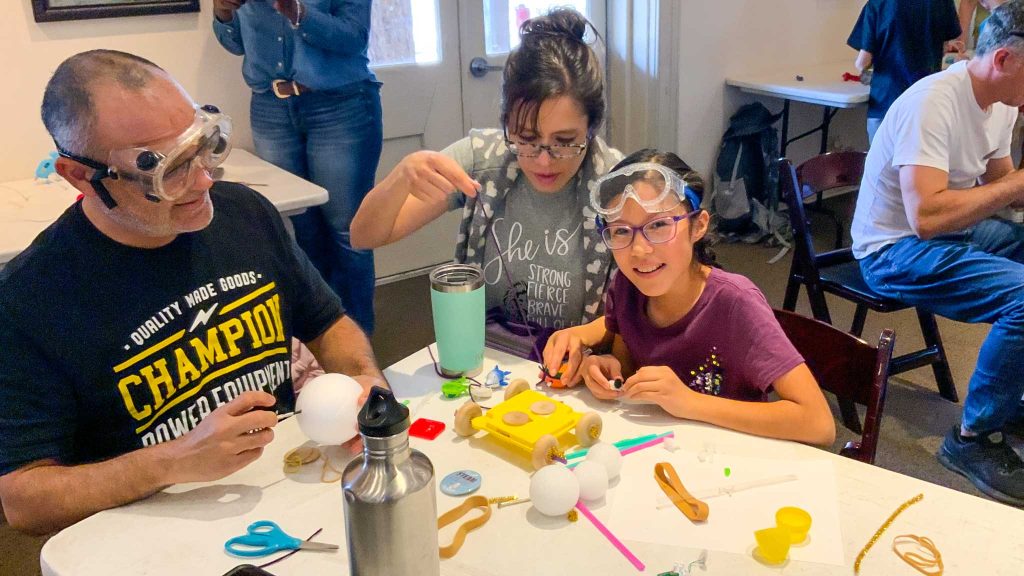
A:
[873,124]
[332,139]
[971,276]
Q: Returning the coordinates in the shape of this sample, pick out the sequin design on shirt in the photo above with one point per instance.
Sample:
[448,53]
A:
[707,378]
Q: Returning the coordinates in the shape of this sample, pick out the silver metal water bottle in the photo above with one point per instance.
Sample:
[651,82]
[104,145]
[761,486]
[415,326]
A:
[390,508]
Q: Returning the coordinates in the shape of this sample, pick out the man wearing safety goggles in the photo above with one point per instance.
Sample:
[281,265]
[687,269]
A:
[146,334]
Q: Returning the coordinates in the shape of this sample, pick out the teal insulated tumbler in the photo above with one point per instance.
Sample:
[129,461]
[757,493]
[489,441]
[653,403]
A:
[457,300]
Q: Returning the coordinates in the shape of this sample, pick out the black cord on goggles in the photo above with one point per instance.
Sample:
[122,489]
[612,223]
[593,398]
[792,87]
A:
[101,172]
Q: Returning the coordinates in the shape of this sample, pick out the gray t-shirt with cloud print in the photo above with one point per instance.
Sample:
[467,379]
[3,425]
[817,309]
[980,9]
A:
[541,240]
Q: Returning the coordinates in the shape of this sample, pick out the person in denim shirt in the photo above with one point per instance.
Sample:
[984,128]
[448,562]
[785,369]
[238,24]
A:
[316,113]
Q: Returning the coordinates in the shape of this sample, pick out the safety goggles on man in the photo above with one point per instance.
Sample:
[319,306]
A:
[168,172]
[663,191]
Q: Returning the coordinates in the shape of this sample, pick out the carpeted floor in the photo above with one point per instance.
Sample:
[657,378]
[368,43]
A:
[915,417]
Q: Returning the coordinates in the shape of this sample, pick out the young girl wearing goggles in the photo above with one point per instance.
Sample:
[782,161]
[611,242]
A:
[681,333]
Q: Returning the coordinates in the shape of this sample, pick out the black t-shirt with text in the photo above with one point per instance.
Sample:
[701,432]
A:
[105,348]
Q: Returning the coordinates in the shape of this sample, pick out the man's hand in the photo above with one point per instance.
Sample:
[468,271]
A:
[660,385]
[224,10]
[598,371]
[289,9]
[226,441]
[368,382]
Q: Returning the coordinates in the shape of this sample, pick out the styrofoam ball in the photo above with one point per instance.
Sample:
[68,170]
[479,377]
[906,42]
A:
[329,405]
[554,490]
[608,455]
[593,479]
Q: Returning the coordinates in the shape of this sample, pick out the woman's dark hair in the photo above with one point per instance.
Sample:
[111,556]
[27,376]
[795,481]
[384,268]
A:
[553,60]
[702,248]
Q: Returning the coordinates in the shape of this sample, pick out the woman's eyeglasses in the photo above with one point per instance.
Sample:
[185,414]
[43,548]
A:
[555,151]
[657,231]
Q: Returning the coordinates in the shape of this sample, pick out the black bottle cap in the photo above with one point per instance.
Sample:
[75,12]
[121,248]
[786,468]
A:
[382,415]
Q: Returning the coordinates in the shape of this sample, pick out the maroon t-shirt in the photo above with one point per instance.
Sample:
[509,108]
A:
[729,344]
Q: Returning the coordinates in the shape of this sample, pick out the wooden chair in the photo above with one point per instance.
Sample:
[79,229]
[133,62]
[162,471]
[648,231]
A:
[838,273]
[848,367]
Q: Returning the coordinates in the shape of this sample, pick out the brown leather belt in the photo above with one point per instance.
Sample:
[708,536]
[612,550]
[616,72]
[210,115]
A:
[288,88]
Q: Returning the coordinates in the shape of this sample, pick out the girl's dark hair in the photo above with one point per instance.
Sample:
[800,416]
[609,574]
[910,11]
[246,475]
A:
[553,60]
[702,248]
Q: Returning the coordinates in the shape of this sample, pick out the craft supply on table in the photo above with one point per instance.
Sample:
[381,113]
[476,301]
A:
[554,490]
[791,527]
[687,569]
[672,486]
[622,444]
[497,377]
[608,455]
[461,482]
[469,504]
[426,428]
[883,528]
[920,552]
[327,408]
[593,479]
[611,537]
[264,537]
[635,516]
[388,495]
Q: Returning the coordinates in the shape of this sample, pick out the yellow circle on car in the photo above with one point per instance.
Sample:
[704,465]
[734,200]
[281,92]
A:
[515,418]
[542,407]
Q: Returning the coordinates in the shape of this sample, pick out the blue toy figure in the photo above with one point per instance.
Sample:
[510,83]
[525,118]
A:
[497,377]
[45,167]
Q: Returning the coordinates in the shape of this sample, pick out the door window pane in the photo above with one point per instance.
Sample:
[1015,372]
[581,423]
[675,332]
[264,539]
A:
[404,32]
[502,19]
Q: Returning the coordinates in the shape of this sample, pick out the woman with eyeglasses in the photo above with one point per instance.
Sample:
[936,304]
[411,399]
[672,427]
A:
[522,189]
[678,332]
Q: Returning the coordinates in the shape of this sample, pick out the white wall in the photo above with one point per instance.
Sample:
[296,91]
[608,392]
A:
[719,38]
[183,44]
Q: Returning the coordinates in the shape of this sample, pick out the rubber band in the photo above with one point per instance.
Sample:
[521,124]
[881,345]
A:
[926,559]
[668,480]
[296,458]
[466,527]
[882,528]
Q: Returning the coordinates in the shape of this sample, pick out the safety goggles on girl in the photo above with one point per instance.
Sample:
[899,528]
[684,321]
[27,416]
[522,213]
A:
[664,190]
[166,172]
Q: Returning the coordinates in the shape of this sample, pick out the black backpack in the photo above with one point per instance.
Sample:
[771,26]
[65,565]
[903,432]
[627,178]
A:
[745,194]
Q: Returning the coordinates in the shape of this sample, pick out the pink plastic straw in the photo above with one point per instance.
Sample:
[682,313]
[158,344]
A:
[647,444]
[611,537]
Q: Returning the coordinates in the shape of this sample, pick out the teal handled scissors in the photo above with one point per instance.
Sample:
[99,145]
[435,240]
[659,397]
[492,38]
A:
[265,537]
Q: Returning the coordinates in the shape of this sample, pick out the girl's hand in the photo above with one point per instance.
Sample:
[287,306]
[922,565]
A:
[598,371]
[561,344]
[432,176]
[660,385]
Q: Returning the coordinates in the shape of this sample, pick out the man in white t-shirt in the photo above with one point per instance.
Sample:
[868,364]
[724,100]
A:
[938,171]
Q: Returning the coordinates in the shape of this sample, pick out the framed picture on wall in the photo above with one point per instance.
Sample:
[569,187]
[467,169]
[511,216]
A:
[53,10]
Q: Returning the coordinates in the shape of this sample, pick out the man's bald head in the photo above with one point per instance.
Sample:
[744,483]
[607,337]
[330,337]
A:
[69,108]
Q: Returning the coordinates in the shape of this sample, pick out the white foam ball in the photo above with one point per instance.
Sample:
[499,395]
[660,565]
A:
[329,405]
[608,455]
[554,490]
[593,479]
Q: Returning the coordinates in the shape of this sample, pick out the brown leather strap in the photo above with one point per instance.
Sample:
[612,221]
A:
[467,526]
[288,88]
[669,481]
